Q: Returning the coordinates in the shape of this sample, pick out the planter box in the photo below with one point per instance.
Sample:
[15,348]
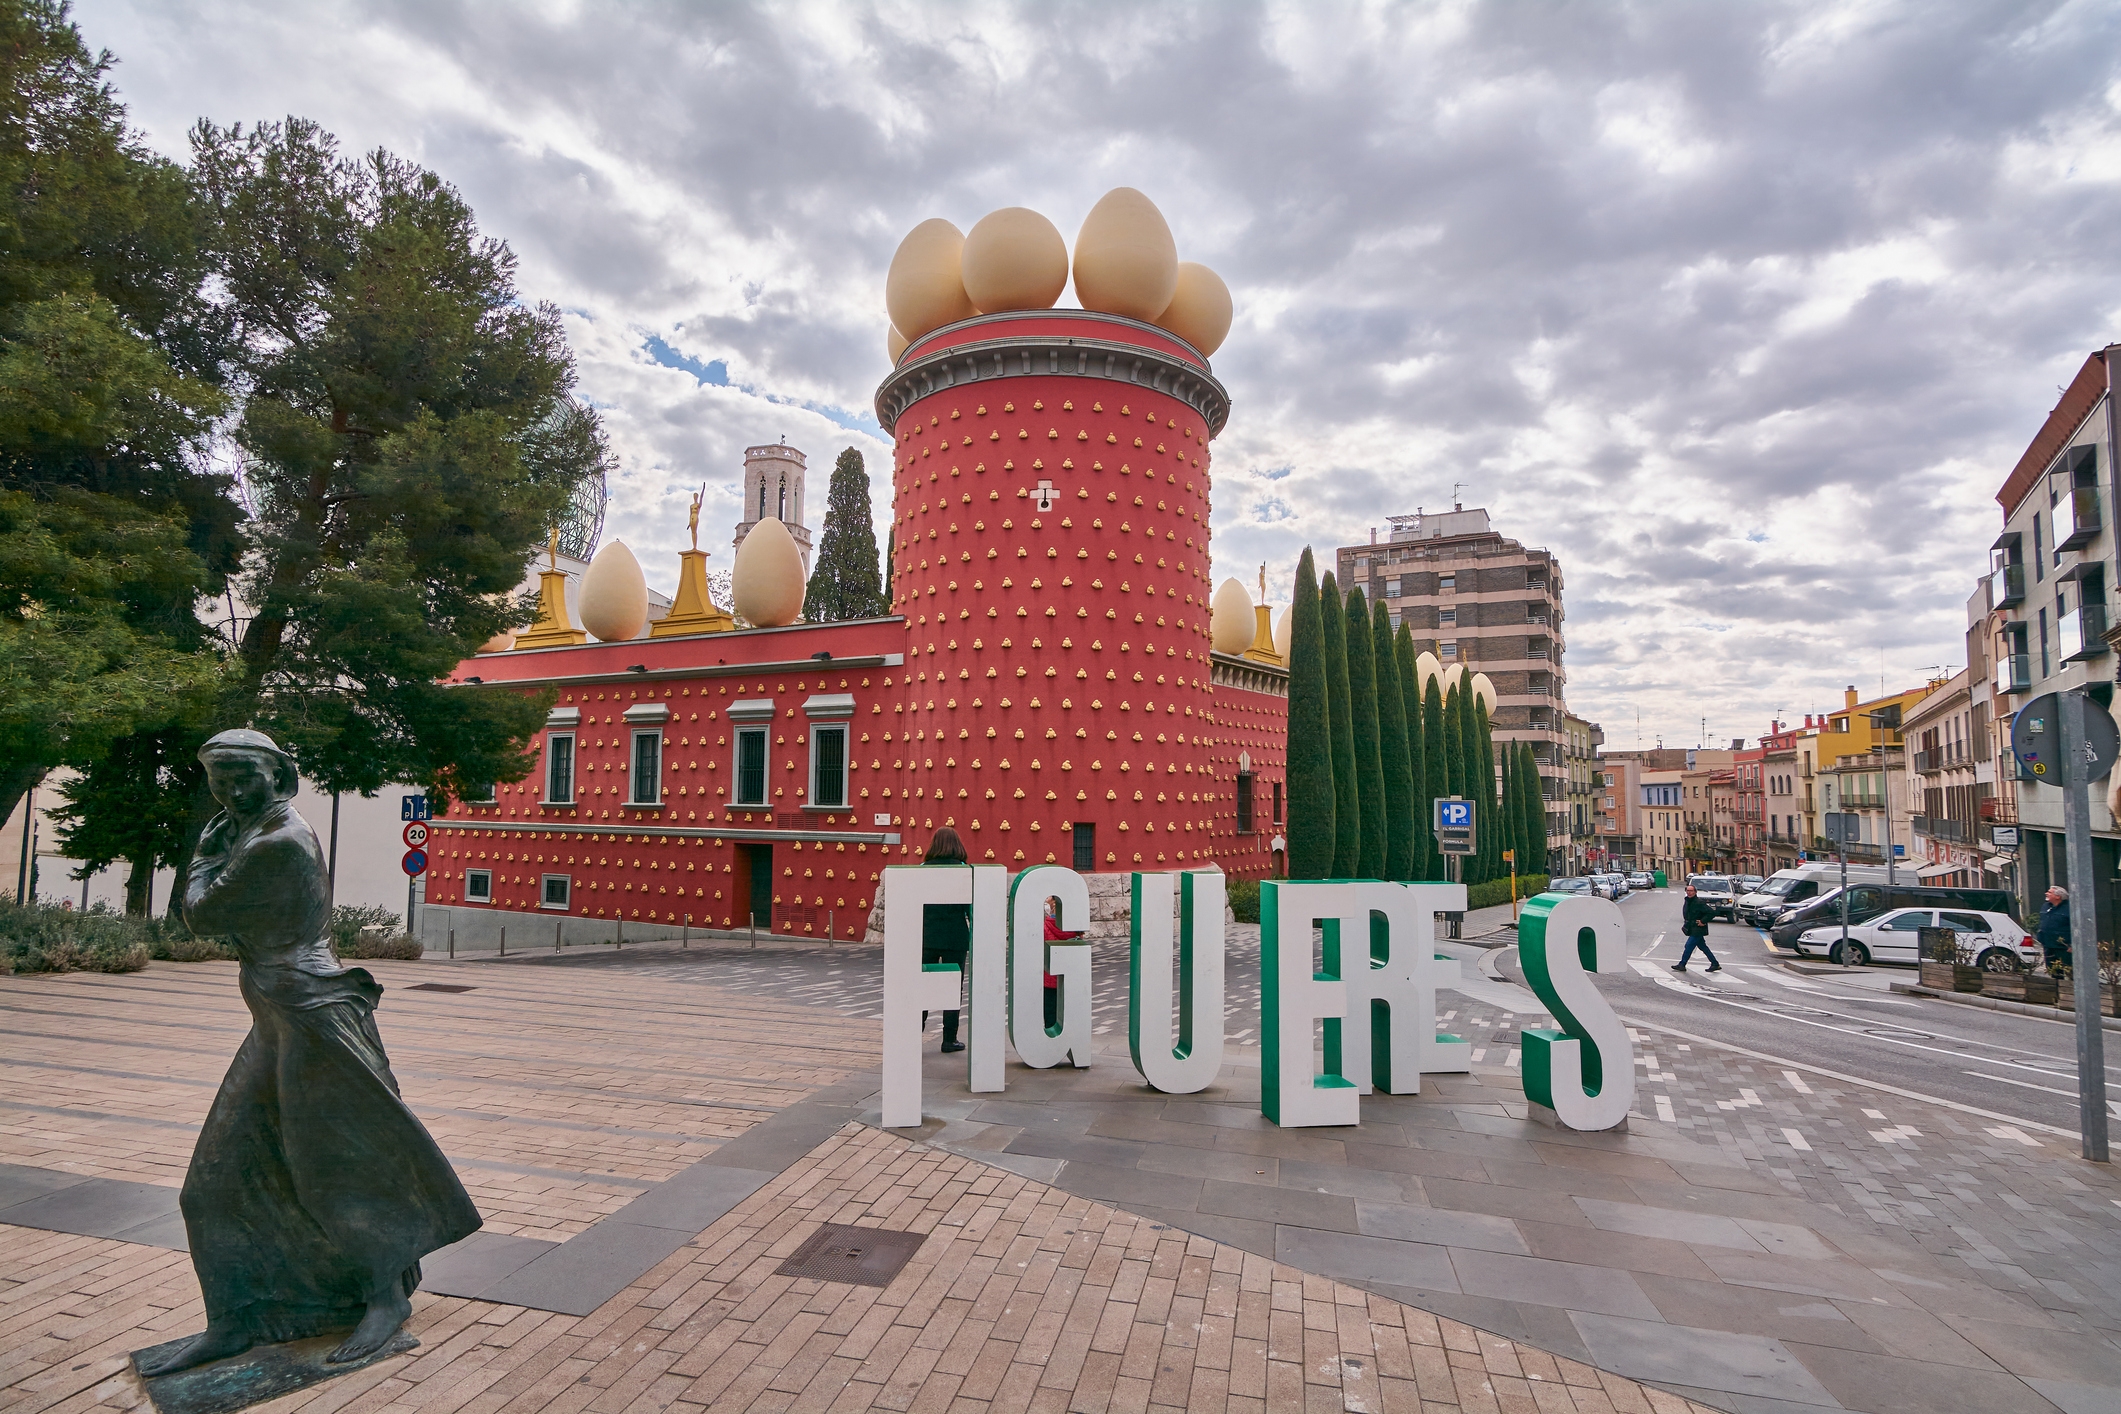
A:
[2040,989]
[1967,978]
[2036,988]
[2067,1000]
[1937,976]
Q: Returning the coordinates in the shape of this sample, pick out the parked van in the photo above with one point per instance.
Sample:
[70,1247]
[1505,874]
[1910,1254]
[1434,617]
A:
[1867,901]
[1792,888]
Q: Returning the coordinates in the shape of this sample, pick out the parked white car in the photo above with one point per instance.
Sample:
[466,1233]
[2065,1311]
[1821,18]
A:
[1612,886]
[1642,879]
[1894,936]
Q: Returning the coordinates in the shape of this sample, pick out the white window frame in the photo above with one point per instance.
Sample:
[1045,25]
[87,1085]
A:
[818,732]
[736,774]
[573,765]
[566,899]
[478,886]
[486,799]
[634,773]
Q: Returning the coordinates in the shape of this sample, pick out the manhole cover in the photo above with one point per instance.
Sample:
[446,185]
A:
[436,987]
[858,1256]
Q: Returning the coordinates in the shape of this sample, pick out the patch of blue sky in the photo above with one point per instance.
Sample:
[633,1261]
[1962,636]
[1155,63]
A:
[1272,510]
[715,373]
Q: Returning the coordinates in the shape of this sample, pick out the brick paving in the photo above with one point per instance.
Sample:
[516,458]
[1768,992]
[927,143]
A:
[1022,1297]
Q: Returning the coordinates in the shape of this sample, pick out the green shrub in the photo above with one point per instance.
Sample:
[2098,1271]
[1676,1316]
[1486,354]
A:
[366,931]
[1244,900]
[169,940]
[47,938]
[383,944]
[1498,890]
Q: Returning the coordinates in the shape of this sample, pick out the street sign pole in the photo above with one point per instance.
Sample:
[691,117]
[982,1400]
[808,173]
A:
[2083,922]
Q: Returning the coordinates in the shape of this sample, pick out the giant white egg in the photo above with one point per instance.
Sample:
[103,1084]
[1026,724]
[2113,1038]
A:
[1281,633]
[896,342]
[1200,309]
[1452,677]
[1125,260]
[925,288]
[1485,691]
[1231,624]
[500,642]
[1014,259]
[1427,669]
[767,580]
[614,595]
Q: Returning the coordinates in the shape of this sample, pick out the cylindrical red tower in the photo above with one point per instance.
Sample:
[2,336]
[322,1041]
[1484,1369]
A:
[1050,556]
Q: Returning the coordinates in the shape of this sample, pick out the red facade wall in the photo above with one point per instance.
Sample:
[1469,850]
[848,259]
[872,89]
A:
[1059,658]
[1248,723]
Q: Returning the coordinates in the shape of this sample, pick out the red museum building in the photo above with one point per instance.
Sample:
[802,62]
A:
[1045,684]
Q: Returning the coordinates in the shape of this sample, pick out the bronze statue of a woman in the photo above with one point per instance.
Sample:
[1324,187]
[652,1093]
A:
[313,1191]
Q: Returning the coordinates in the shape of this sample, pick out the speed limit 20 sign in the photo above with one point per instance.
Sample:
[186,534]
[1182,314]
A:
[416,834]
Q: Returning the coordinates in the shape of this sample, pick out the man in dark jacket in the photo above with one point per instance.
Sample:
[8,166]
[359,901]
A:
[2053,929]
[946,928]
[1694,922]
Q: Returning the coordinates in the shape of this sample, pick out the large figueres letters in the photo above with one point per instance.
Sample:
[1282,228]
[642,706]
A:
[1584,1073]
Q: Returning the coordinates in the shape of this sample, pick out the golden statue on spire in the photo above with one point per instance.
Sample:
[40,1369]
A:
[692,522]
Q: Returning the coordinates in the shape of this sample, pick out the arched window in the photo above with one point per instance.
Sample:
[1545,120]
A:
[784,499]
[762,500]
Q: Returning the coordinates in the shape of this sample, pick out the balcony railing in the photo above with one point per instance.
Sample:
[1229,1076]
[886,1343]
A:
[2014,672]
[2077,518]
[2083,632]
[1928,763]
[1940,827]
[2006,586]
[1861,800]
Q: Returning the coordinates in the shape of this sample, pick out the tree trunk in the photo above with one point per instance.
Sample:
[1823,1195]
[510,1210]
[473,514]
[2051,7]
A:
[139,887]
[15,783]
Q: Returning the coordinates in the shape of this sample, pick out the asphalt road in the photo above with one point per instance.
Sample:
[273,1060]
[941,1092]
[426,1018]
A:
[2018,1066]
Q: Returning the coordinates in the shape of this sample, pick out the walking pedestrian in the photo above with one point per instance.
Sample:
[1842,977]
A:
[2053,928]
[946,928]
[1694,922]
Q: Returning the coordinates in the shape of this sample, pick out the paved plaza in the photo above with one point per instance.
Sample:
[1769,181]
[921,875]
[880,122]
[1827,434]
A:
[651,1133]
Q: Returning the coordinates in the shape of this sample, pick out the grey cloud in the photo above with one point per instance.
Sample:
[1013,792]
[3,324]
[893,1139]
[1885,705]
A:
[1563,254]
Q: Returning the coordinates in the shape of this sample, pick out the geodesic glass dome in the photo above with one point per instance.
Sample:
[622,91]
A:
[583,524]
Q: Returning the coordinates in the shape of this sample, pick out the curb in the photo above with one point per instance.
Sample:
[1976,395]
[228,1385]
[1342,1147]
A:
[2045,1013]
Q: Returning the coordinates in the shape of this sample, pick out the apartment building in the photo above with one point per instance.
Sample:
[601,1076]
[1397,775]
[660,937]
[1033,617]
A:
[1581,743]
[1473,596]
[1617,814]
[1945,800]
[1663,825]
[2047,623]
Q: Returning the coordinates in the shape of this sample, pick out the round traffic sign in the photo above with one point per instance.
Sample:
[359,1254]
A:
[2036,737]
[414,863]
[416,834]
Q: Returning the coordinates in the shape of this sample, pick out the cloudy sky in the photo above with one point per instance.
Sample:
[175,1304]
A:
[1744,310]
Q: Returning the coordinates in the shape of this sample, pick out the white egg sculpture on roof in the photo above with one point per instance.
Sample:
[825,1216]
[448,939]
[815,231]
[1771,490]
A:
[1200,309]
[500,642]
[1281,633]
[1453,676]
[614,595]
[767,579]
[1485,691]
[925,288]
[1231,625]
[896,342]
[1125,260]
[1014,258]
[1427,669]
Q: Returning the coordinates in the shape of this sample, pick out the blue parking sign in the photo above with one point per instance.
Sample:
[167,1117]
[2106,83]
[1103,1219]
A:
[412,807]
[1454,814]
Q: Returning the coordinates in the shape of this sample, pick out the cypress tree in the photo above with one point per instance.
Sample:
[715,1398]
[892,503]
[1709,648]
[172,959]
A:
[1363,709]
[845,582]
[1309,750]
[1511,813]
[1347,812]
[1535,807]
[1435,769]
[1418,807]
[1483,774]
[1394,751]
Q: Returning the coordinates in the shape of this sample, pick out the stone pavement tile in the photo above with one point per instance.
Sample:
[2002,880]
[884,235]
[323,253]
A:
[1413,1223]
[1564,1284]
[1281,1205]
[1106,1153]
[1211,1163]
[1346,1180]
[1708,1229]
[1565,1242]
[2054,1354]
[1826,1280]
[1917,1335]
[1715,1305]
[1132,1186]
[1559,1178]
[1712,1360]
[1861,1381]
[2075,1398]
[1350,1258]
[1417,1162]
[1502,1202]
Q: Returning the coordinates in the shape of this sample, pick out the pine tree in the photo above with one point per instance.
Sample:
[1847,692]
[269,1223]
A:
[1509,815]
[1394,752]
[1436,771]
[1347,810]
[1369,748]
[1309,755]
[1422,814]
[1535,809]
[845,583]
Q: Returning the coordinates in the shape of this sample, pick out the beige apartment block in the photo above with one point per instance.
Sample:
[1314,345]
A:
[1475,597]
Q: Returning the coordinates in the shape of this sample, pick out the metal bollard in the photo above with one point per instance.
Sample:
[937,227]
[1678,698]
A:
[832,927]
[557,924]
[452,945]
[504,940]
[685,936]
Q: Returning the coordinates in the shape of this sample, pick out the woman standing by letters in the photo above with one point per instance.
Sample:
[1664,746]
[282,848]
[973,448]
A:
[313,1191]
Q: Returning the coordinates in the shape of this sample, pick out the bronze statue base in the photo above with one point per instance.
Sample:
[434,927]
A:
[260,1373]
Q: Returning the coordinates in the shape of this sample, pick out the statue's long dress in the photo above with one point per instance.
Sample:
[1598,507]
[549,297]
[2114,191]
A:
[312,1184]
